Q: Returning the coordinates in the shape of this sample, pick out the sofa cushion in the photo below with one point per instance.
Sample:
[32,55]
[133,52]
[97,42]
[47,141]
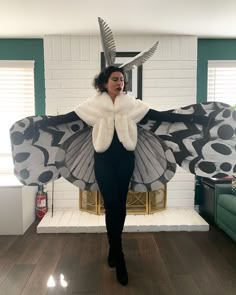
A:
[226,221]
[234,184]
[228,202]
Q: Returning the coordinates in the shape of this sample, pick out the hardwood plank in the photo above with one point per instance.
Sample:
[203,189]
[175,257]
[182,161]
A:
[224,244]
[16,279]
[37,283]
[70,257]
[58,290]
[6,242]
[170,254]
[224,271]
[202,273]
[7,262]
[33,250]
[80,264]
[87,277]
[153,270]
[181,280]
[184,285]
[22,242]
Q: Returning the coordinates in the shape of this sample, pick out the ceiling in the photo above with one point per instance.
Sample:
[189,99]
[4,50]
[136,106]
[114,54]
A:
[36,18]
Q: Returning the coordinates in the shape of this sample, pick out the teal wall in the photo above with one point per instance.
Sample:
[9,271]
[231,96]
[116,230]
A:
[211,49]
[28,49]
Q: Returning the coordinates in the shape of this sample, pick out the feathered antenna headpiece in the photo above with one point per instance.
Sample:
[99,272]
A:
[109,48]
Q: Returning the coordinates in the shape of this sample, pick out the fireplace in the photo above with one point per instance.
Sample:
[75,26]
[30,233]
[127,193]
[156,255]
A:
[137,202]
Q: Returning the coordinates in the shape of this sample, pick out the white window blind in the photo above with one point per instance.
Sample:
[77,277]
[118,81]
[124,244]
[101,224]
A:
[222,81]
[16,102]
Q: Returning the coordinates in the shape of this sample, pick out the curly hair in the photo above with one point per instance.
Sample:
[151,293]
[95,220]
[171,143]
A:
[102,78]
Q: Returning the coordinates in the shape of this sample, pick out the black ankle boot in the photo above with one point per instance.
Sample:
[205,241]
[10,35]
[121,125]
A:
[111,258]
[121,271]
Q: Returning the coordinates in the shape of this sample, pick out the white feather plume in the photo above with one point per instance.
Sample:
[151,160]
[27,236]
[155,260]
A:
[108,42]
[140,58]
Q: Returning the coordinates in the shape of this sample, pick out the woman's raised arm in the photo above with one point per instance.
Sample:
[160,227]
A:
[57,120]
[50,121]
[169,116]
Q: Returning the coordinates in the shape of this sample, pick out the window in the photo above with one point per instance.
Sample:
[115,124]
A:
[222,81]
[16,102]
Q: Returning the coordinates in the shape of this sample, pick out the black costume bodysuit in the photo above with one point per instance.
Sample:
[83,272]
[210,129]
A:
[113,170]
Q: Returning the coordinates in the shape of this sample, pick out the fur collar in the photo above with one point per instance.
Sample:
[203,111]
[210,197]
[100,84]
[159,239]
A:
[104,116]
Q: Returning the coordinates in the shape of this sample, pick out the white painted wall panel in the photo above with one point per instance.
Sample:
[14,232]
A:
[70,93]
[73,74]
[84,48]
[56,48]
[69,65]
[47,46]
[180,203]
[167,83]
[169,74]
[65,48]
[76,83]
[95,49]
[170,64]
[61,184]
[75,48]
[53,84]
[163,92]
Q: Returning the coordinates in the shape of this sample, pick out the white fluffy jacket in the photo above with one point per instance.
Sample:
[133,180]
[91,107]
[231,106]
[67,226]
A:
[104,116]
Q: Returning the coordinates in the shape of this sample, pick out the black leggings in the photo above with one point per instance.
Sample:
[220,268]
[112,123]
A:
[113,170]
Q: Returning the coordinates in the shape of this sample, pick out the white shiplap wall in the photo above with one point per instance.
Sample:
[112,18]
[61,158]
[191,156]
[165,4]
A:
[169,81]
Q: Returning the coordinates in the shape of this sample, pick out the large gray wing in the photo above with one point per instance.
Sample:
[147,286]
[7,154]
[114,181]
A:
[140,58]
[207,151]
[108,43]
[154,163]
[34,155]
[75,160]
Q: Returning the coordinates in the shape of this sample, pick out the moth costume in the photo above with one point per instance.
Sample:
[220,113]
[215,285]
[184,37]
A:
[123,145]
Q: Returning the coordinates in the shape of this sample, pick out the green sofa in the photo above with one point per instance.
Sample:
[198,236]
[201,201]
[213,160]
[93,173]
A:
[225,209]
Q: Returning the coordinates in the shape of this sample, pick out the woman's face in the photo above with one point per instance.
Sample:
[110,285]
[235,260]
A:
[115,84]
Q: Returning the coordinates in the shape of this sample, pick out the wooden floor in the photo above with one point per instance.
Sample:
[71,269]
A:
[191,263]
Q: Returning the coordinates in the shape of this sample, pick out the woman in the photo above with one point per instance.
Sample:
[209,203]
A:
[114,116]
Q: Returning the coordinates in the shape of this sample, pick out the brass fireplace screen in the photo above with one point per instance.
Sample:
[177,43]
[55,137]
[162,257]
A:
[137,203]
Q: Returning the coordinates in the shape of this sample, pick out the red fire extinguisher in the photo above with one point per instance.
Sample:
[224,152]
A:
[41,203]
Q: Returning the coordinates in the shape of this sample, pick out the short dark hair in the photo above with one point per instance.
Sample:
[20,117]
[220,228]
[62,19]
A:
[102,78]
